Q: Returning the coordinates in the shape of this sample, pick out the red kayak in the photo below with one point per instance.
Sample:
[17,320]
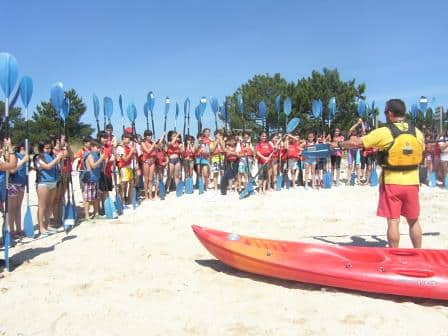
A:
[408,272]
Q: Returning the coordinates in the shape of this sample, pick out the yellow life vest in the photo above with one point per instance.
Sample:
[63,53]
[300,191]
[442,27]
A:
[405,152]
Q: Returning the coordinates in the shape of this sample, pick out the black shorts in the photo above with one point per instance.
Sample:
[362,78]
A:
[366,161]
[335,162]
[320,164]
[263,172]
[105,183]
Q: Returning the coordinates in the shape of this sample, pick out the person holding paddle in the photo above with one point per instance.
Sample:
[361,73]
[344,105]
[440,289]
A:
[293,153]
[149,157]
[310,164]
[217,157]
[16,191]
[46,163]
[93,163]
[8,161]
[246,153]
[263,151]
[174,150]
[336,156]
[400,145]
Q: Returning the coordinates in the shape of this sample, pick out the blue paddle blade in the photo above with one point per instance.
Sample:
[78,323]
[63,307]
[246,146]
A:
[224,111]
[186,106]
[180,188]
[151,101]
[361,109]
[423,105]
[332,107]
[65,109]
[374,177]
[316,108]
[96,106]
[8,73]
[202,106]
[120,104]
[414,111]
[446,181]
[57,96]
[177,111]
[131,112]
[188,185]
[28,225]
[277,104]
[118,204]
[197,113]
[162,190]
[372,108]
[134,198]
[287,106]
[240,103]
[201,185]
[279,183]
[69,217]
[432,179]
[327,180]
[167,105]
[7,242]
[109,209]
[262,110]
[292,124]
[26,90]
[146,110]
[214,104]
[248,190]
[108,107]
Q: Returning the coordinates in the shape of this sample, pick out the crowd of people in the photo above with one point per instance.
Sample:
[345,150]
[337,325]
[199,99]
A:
[224,163]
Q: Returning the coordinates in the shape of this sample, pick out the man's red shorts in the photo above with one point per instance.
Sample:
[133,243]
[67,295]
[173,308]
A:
[399,200]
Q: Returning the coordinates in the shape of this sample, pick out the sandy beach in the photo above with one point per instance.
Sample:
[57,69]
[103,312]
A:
[146,273]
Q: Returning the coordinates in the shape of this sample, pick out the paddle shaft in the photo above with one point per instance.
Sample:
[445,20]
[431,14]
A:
[152,124]
[6,213]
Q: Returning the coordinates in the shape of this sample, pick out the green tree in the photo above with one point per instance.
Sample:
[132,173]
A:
[323,86]
[45,120]
[320,85]
[260,87]
[16,123]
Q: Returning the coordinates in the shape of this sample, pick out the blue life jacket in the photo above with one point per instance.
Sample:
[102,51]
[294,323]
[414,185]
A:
[19,177]
[95,172]
[48,175]
[2,185]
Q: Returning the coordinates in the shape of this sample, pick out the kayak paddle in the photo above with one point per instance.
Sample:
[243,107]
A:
[151,102]
[109,207]
[176,115]
[120,104]
[262,113]
[96,111]
[287,107]
[167,109]
[69,209]
[26,91]
[132,115]
[108,106]
[8,80]
[145,112]
[215,106]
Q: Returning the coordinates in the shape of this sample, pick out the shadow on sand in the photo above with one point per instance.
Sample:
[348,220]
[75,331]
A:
[219,266]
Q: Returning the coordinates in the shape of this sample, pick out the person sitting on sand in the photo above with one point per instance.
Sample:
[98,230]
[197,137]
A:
[401,146]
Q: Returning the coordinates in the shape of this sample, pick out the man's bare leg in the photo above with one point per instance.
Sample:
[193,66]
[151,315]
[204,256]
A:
[415,232]
[393,232]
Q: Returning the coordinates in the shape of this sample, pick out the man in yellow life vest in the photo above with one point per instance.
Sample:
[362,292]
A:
[401,148]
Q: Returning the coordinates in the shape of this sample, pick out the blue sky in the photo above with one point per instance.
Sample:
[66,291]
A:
[208,48]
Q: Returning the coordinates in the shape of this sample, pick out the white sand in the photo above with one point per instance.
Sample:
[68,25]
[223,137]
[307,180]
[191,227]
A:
[146,273]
